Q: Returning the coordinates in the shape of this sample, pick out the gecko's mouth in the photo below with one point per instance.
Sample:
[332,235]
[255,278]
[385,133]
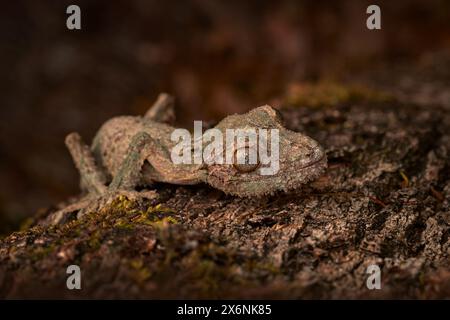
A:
[287,181]
[314,162]
[255,185]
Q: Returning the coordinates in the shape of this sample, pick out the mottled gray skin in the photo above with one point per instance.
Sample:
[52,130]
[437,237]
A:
[128,152]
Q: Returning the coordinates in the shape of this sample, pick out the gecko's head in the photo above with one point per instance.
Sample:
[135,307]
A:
[276,159]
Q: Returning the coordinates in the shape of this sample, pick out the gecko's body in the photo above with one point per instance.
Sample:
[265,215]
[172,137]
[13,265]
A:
[111,145]
[128,152]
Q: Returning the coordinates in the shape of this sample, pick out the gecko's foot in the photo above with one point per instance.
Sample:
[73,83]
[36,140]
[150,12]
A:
[68,213]
[90,204]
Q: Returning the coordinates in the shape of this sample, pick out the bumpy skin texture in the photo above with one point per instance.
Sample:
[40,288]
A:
[128,152]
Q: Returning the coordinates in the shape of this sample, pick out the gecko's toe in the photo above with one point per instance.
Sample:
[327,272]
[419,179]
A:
[66,214]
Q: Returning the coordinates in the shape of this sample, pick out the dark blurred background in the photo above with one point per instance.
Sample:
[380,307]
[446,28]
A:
[216,57]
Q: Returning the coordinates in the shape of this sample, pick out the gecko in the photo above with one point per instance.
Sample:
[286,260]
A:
[131,152]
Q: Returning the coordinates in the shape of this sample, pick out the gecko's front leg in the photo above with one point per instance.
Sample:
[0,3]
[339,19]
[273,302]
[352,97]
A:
[129,175]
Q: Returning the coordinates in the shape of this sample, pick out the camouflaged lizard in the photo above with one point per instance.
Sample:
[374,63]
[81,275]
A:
[133,151]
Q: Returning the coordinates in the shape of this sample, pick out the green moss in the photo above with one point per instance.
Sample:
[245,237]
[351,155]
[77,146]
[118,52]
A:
[156,216]
[141,272]
[159,209]
[422,279]
[39,253]
[164,222]
[26,224]
[122,203]
[123,224]
[95,240]
[126,214]
[329,94]
[254,266]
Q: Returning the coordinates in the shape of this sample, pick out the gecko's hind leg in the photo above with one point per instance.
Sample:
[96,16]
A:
[92,178]
[129,174]
[163,110]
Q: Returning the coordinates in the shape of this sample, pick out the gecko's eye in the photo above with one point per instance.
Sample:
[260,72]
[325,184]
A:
[246,159]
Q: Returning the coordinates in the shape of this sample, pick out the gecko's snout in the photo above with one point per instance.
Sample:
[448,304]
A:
[315,152]
[314,156]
